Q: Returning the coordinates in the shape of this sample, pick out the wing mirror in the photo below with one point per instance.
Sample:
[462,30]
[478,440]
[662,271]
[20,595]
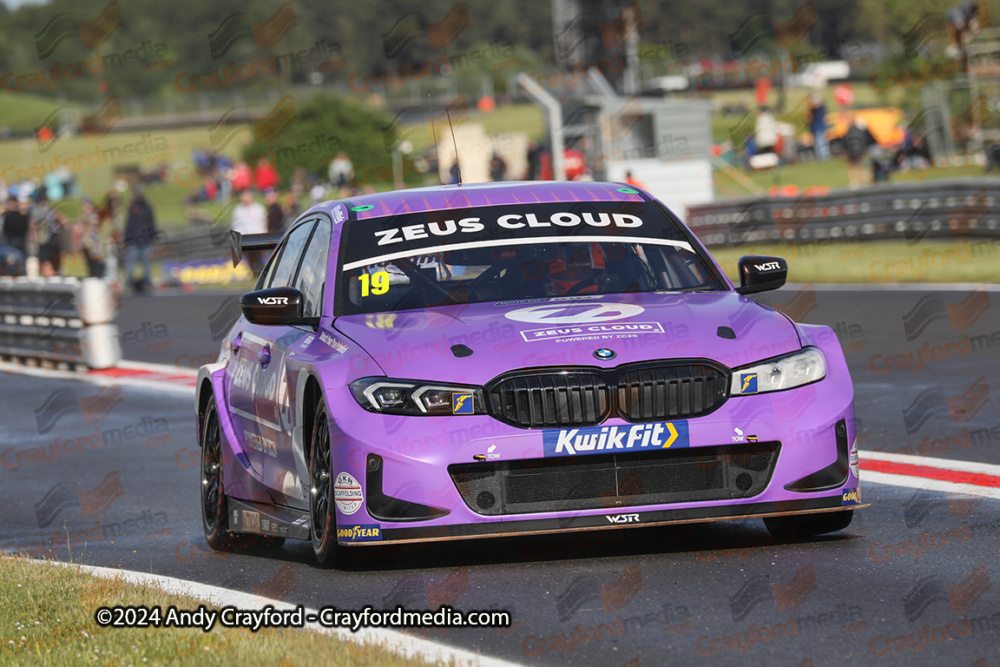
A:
[760,273]
[275,306]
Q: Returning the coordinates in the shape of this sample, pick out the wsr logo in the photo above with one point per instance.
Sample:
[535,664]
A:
[769,266]
[622,518]
[273,300]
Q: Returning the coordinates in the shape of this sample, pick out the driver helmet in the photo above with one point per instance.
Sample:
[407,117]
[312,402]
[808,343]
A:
[575,263]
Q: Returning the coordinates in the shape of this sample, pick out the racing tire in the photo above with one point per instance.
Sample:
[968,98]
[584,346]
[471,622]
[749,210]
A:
[214,508]
[322,512]
[808,525]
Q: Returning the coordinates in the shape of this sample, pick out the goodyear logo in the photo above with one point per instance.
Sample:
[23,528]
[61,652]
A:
[363,533]
[462,404]
[600,439]
[851,497]
[748,383]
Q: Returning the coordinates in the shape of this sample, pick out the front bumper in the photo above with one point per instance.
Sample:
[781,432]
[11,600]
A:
[414,455]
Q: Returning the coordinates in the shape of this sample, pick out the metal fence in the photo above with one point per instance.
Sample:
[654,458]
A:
[906,211]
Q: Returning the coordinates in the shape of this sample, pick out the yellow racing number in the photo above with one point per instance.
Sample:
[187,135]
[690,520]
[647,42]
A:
[376,283]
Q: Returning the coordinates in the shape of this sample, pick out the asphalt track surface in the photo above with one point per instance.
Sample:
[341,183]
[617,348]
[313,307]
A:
[910,581]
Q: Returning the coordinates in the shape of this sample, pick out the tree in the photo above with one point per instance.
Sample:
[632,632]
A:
[324,126]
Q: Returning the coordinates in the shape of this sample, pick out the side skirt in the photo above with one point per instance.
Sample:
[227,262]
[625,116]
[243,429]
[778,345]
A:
[259,519]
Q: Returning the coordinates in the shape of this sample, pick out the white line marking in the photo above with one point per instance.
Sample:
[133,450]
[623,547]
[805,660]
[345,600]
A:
[157,368]
[100,380]
[252,417]
[932,462]
[507,242]
[389,640]
[868,476]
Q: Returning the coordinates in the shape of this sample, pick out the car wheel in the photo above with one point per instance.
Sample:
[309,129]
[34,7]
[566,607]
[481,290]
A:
[808,525]
[214,517]
[322,515]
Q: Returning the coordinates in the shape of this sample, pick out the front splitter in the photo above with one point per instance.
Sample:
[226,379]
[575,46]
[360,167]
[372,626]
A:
[636,519]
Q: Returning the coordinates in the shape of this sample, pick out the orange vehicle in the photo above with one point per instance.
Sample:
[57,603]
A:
[882,122]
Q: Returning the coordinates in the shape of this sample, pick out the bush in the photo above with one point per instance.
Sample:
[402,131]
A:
[324,126]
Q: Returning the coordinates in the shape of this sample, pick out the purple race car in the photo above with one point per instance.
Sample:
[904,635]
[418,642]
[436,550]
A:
[513,359]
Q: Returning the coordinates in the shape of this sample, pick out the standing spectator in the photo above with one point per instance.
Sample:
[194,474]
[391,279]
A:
[534,158]
[275,216]
[109,214]
[765,132]
[140,232]
[250,217]
[300,181]
[292,211]
[66,180]
[223,174]
[266,176]
[857,141]
[498,167]
[241,178]
[15,225]
[53,186]
[48,224]
[992,156]
[341,171]
[317,193]
[818,127]
[634,182]
[90,239]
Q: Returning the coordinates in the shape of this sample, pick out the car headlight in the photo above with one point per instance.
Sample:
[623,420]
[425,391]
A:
[411,397]
[792,370]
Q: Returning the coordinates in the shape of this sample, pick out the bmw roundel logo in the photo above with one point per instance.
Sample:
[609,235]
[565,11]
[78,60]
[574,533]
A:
[604,353]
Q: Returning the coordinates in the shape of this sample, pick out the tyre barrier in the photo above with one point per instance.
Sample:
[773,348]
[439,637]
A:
[63,322]
[910,212]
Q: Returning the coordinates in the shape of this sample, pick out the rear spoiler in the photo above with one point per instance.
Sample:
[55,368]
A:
[238,243]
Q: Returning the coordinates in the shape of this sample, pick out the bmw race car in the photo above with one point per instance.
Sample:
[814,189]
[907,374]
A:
[512,359]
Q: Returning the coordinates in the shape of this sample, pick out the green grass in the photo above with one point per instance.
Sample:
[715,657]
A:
[972,260]
[93,161]
[48,619]
[24,111]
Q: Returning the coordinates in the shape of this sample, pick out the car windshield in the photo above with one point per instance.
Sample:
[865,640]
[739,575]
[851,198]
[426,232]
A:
[505,253]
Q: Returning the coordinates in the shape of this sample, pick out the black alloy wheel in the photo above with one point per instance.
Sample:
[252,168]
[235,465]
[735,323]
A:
[322,515]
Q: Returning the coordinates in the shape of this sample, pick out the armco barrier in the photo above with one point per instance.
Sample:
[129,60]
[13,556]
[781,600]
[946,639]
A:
[62,321]
[908,211]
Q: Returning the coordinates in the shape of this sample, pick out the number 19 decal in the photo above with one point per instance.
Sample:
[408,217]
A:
[375,283]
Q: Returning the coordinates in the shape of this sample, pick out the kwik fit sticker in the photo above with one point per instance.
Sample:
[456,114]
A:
[609,439]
